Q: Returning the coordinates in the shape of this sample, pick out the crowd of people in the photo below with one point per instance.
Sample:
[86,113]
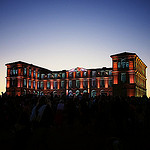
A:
[35,117]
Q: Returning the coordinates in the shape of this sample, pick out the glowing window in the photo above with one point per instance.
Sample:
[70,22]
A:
[63,75]
[29,72]
[48,85]
[42,85]
[33,84]
[70,74]
[24,82]
[55,84]
[78,74]
[93,73]
[29,83]
[77,83]
[70,83]
[34,72]
[62,84]
[25,71]
[85,83]
[123,77]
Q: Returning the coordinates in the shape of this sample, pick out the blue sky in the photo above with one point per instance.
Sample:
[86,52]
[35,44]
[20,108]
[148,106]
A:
[62,34]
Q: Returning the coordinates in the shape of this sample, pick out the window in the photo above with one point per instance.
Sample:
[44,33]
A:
[106,72]
[42,76]
[29,72]
[102,84]
[123,77]
[56,75]
[119,65]
[24,82]
[29,83]
[48,85]
[38,84]
[110,72]
[38,75]
[10,72]
[70,74]
[77,83]
[94,83]
[78,74]
[110,83]
[102,73]
[42,85]
[25,71]
[14,71]
[62,84]
[127,64]
[93,73]
[63,75]
[85,74]
[49,75]
[70,83]
[34,73]
[34,84]
[85,83]
[55,84]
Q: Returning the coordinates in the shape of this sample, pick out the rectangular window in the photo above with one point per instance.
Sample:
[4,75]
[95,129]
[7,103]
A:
[62,84]
[29,83]
[78,83]
[14,71]
[110,83]
[29,72]
[25,71]
[85,83]
[110,72]
[127,64]
[34,84]
[85,74]
[38,84]
[119,65]
[49,75]
[56,75]
[42,85]
[55,84]
[102,84]
[42,76]
[48,85]
[38,75]
[77,74]
[70,74]
[63,75]
[24,82]
[10,72]
[34,74]
[94,83]
[70,83]
[93,73]
[123,77]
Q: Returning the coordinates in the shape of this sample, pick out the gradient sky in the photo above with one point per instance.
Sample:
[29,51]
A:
[63,34]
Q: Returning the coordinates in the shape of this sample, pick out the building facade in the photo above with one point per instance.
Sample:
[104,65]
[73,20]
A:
[127,75]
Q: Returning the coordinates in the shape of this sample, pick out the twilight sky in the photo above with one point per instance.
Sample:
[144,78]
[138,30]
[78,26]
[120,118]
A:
[63,34]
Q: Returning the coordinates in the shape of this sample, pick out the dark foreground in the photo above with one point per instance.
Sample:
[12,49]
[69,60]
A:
[100,129]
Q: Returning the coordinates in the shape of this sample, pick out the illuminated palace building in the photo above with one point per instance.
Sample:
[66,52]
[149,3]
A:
[127,77]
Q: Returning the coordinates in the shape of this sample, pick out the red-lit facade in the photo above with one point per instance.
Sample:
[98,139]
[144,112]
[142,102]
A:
[129,75]
[24,78]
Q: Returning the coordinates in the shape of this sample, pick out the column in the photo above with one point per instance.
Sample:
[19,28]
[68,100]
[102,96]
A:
[106,79]
[81,83]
